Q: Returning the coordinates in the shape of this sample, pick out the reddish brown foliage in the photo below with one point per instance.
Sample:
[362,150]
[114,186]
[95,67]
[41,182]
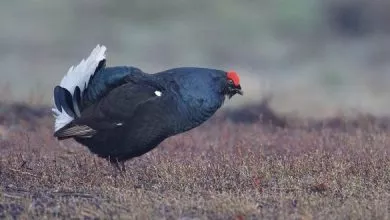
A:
[225,169]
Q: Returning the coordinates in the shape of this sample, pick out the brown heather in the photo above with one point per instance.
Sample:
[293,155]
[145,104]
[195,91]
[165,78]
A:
[233,167]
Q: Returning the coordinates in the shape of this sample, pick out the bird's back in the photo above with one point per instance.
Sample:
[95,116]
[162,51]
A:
[106,79]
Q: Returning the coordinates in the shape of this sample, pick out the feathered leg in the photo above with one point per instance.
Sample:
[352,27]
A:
[119,166]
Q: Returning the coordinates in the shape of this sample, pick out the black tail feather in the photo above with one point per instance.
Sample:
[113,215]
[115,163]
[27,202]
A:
[57,94]
[101,65]
[77,100]
[63,100]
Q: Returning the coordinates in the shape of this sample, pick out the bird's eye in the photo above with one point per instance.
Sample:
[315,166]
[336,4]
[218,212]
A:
[230,82]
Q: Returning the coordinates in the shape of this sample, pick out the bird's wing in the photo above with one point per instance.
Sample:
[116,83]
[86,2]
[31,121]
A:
[112,111]
[103,81]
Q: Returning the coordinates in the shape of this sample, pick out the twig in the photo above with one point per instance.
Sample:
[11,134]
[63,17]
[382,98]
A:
[11,196]
[74,194]
[285,189]
[23,172]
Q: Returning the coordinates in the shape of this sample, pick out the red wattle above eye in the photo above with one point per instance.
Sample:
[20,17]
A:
[232,75]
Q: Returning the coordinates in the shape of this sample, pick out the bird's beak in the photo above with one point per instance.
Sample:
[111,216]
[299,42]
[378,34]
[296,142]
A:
[238,90]
[235,90]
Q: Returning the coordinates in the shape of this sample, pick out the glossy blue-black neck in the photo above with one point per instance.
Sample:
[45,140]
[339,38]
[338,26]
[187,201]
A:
[200,89]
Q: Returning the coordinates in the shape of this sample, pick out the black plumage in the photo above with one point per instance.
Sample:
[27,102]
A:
[124,113]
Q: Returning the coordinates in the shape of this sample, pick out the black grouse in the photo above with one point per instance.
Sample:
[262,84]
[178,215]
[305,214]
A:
[121,112]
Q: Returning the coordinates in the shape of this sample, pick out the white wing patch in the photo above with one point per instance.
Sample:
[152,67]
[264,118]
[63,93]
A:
[78,76]
[158,93]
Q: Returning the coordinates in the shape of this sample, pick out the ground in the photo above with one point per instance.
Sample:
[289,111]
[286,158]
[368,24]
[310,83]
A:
[236,166]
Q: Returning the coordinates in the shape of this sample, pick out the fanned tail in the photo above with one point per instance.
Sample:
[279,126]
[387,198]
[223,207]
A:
[68,95]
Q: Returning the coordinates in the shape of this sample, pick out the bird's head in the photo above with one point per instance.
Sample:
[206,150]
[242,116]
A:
[232,86]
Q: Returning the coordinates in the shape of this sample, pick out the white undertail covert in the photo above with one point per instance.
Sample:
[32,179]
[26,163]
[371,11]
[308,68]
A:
[78,76]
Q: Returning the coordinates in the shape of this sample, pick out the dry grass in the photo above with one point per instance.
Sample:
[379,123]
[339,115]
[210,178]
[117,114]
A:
[222,170]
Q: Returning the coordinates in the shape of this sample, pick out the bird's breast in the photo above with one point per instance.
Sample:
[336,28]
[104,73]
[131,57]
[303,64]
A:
[195,112]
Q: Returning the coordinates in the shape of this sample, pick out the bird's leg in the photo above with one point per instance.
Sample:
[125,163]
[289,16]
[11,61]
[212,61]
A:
[123,166]
[119,167]
[116,165]
[116,172]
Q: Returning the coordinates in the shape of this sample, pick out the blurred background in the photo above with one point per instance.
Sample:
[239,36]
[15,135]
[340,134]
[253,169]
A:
[315,57]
